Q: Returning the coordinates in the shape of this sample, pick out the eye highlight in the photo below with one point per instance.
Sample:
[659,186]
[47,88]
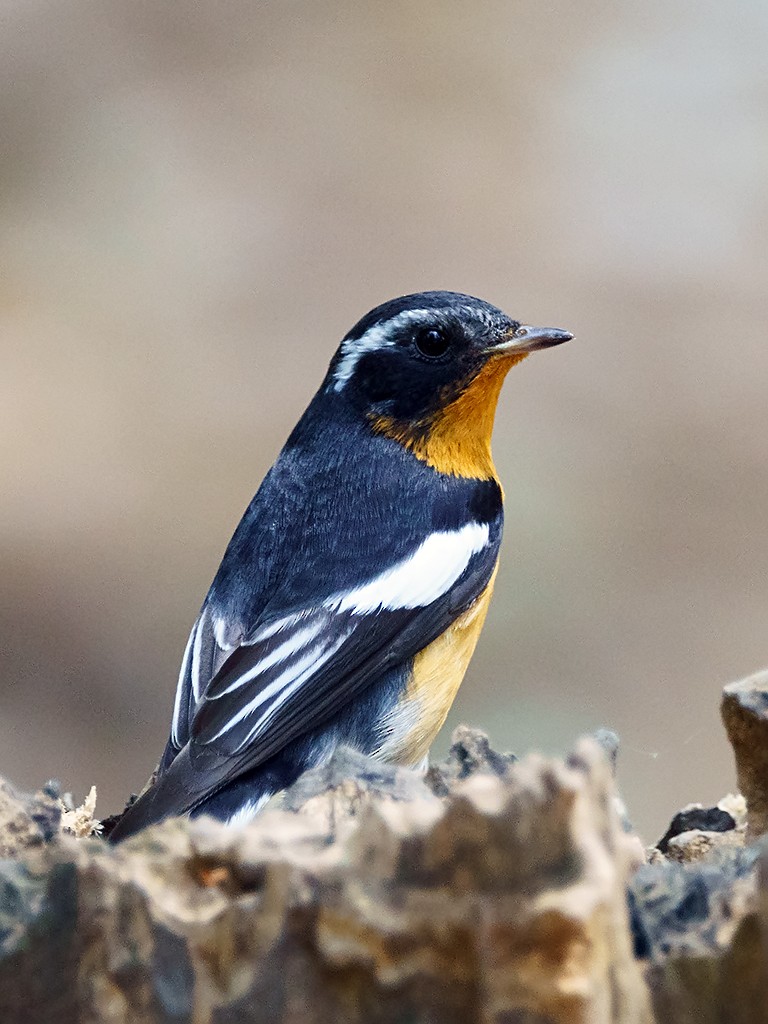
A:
[431,343]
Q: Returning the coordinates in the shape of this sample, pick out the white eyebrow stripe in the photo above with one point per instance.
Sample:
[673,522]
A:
[293,644]
[420,579]
[176,722]
[377,337]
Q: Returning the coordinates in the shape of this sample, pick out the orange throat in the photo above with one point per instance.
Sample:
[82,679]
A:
[457,439]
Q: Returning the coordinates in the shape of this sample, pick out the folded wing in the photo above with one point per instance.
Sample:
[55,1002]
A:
[300,666]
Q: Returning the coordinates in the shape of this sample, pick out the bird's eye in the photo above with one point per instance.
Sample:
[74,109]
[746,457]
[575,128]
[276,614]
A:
[432,343]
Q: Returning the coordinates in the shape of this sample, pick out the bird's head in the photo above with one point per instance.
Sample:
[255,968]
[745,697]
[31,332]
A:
[427,369]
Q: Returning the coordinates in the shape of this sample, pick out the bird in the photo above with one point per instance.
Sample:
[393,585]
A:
[352,594]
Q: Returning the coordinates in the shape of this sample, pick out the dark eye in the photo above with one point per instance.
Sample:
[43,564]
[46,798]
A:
[432,343]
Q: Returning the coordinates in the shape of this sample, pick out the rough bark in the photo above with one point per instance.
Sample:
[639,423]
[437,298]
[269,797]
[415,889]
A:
[503,899]
[745,715]
[491,890]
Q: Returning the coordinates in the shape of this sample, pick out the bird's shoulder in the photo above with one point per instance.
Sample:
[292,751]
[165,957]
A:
[338,504]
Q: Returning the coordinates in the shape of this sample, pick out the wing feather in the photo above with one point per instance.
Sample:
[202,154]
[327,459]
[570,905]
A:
[238,728]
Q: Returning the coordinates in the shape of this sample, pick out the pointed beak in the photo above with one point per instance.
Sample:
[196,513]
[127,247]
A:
[529,339]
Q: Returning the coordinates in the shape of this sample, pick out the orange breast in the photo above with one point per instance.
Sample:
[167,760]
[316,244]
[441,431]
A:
[436,675]
[456,440]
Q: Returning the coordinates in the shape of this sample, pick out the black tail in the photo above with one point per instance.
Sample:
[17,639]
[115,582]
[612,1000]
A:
[207,787]
[178,790]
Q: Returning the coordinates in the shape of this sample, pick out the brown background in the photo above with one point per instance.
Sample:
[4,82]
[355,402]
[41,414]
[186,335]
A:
[199,198]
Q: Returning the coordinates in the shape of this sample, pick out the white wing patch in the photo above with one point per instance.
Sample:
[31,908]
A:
[421,578]
[375,338]
[296,646]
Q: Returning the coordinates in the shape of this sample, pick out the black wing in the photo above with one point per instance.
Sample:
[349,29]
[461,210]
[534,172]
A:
[334,507]
[206,651]
[301,669]
[338,507]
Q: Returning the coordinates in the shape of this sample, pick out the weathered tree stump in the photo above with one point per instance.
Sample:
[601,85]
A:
[491,890]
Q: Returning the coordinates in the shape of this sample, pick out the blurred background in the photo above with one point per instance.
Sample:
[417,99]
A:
[198,199]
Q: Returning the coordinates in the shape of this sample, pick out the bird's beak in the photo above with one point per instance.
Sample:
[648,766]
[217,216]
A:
[528,339]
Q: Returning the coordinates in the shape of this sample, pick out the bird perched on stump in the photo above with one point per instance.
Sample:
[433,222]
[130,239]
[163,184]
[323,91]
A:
[352,594]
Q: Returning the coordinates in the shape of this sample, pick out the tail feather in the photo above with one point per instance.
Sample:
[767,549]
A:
[177,791]
[188,786]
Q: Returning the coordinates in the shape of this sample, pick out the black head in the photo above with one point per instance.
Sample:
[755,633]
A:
[415,353]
